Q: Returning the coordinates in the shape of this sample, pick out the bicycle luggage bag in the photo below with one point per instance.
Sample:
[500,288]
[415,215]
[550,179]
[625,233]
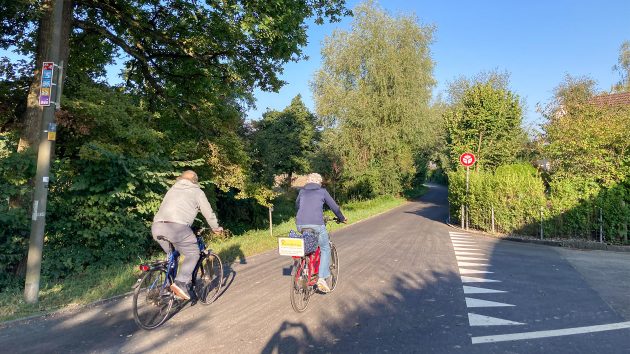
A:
[310,240]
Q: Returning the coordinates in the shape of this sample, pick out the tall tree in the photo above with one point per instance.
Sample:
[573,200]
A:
[484,117]
[373,89]
[182,53]
[284,141]
[623,68]
[586,140]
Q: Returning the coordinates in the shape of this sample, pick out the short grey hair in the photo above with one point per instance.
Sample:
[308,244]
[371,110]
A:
[189,175]
[314,178]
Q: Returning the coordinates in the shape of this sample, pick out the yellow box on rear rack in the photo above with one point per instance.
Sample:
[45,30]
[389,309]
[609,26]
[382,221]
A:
[288,246]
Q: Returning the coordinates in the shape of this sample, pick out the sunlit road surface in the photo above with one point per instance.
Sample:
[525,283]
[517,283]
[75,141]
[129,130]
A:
[408,283]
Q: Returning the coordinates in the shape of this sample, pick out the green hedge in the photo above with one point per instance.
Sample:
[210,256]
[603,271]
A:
[515,192]
[570,208]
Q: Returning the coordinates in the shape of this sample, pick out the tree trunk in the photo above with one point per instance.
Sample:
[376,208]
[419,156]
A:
[31,127]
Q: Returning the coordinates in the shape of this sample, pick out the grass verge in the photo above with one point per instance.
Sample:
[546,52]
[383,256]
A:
[101,283]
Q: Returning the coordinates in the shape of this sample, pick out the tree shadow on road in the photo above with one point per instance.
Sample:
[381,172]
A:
[392,321]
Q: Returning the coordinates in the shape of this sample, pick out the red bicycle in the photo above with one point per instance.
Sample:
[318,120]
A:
[304,274]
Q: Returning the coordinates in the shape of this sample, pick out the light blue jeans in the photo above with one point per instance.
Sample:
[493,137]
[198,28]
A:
[324,246]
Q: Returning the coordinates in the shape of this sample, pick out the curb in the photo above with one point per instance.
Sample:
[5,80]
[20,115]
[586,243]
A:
[569,243]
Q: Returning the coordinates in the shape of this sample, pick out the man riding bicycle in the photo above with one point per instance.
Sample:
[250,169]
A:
[177,212]
[310,215]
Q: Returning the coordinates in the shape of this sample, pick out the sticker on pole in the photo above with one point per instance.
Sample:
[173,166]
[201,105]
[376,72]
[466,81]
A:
[46,84]
[467,159]
[288,246]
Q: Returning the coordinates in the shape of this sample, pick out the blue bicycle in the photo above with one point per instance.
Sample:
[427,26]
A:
[153,298]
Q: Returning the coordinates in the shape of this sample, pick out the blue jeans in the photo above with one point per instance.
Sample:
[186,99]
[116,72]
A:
[324,247]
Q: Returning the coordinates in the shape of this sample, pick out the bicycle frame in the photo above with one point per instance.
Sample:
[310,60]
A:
[312,260]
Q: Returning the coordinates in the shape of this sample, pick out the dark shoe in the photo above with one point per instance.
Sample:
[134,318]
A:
[180,290]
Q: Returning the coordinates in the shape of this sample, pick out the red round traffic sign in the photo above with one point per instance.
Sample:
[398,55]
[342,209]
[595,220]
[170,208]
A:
[467,159]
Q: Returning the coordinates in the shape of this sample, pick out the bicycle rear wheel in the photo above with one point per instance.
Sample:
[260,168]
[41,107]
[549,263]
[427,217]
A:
[151,302]
[334,267]
[209,278]
[300,290]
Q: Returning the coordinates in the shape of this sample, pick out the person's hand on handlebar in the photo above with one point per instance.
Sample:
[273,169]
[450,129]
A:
[218,230]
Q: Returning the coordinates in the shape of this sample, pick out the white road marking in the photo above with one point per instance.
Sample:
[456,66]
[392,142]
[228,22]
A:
[551,333]
[478,280]
[461,236]
[470,302]
[470,264]
[480,320]
[458,233]
[477,290]
[463,258]
[459,253]
[471,271]
[463,242]
[465,248]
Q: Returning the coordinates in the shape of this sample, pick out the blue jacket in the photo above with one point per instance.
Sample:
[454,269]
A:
[310,205]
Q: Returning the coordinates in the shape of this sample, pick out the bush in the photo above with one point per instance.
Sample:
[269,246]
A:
[516,193]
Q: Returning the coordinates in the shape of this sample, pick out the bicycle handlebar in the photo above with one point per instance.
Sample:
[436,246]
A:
[328,219]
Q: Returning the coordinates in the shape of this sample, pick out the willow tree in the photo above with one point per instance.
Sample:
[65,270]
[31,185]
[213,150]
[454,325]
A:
[373,89]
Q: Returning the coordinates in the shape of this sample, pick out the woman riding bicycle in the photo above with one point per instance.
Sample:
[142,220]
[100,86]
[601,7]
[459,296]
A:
[310,215]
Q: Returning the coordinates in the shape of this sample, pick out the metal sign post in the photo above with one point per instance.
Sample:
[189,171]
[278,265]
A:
[467,159]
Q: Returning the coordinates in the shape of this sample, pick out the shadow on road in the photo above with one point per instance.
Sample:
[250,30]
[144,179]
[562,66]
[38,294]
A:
[393,321]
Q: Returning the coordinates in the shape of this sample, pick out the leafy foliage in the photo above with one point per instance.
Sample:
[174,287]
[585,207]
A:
[484,118]
[515,192]
[373,91]
[586,140]
[283,142]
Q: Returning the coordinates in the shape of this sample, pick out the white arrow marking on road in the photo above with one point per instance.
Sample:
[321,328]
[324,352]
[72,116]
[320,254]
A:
[480,320]
[470,264]
[478,280]
[470,302]
[471,271]
[477,290]
[461,258]
[459,253]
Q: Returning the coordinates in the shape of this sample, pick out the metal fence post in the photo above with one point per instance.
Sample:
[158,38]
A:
[541,223]
[493,219]
[601,226]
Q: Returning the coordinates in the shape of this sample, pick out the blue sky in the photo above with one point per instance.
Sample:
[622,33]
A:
[537,42]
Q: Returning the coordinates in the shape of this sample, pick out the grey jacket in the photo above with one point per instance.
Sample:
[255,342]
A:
[182,203]
[310,205]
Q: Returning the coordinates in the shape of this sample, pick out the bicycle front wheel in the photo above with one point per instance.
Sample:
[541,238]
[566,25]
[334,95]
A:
[209,278]
[300,290]
[152,302]
[334,267]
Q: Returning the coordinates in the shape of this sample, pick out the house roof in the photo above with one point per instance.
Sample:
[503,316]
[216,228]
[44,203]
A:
[614,99]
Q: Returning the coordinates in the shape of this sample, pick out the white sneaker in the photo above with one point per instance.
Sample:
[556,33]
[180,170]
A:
[322,285]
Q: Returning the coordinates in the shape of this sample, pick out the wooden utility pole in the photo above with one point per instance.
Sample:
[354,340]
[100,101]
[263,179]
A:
[45,149]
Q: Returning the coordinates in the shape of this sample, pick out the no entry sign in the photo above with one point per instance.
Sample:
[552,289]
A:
[467,159]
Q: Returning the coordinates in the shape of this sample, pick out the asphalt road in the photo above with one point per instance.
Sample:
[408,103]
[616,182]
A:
[408,284]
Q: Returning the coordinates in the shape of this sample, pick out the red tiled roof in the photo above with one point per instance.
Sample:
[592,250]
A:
[614,99]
